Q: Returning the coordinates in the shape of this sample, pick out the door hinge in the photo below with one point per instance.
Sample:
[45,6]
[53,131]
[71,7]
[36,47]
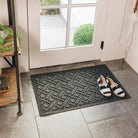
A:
[102,45]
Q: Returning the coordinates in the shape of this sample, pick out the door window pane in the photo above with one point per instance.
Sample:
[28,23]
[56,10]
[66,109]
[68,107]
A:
[83,1]
[53,28]
[52,2]
[82,26]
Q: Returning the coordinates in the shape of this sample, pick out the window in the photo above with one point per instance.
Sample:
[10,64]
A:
[66,23]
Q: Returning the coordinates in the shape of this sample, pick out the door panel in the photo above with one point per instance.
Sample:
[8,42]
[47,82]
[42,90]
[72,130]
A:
[57,45]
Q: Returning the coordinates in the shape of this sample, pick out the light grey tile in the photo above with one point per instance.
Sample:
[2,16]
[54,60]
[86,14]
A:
[114,65]
[12,126]
[28,92]
[45,70]
[129,80]
[26,86]
[36,112]
[120,127]
[104,111]
[78,65]
[63,125]
[33,99]
[131,106]
[62,67]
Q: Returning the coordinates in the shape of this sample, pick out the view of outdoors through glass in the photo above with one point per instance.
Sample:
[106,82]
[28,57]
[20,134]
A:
[82,26]
[83,1]
[53,28]
[54,32]
[52,2]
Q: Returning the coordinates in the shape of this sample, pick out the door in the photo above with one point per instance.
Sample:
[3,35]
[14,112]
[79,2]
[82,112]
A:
[65,31]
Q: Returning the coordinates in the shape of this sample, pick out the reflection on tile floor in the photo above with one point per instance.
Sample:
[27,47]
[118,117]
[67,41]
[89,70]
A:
[63,125]
[118,127]
[112,120]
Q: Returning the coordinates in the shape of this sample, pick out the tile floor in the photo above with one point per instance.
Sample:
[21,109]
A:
[112,120]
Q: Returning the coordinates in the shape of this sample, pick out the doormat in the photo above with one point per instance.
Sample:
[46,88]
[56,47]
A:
[71,89]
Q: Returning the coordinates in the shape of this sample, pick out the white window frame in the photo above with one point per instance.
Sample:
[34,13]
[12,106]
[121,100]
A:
[69,6]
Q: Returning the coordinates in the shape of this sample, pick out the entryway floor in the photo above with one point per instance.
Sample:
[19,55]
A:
[112,120]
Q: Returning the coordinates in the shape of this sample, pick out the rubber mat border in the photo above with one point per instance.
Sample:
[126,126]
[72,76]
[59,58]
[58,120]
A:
[77,107]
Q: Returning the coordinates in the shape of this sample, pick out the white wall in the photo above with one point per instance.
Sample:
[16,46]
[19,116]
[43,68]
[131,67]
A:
[3,20]
[132,58]
[21,24]
[22,28]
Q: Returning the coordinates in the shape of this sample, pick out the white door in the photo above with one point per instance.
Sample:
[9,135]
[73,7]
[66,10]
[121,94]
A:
[65,31]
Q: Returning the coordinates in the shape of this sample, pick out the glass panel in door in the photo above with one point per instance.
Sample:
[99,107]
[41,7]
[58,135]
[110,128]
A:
[53,27]
[82,26]
[83,1]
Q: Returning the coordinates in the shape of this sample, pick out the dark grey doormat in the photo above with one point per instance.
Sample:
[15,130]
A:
[71,89]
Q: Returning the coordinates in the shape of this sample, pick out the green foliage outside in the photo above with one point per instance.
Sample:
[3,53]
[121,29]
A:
[8,31]
[83,34]
[49,2]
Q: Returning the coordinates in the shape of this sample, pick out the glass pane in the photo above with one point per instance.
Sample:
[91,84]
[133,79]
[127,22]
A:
[82,26]
[53,28]
[52,2]
[83,1]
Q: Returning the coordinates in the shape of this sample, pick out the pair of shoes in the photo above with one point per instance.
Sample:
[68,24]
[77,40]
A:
[108,86]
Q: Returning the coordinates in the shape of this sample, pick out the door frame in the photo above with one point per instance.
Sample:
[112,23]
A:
[93,52]
[108,53]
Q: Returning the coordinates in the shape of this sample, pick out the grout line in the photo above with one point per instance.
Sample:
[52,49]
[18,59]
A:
[34,113]
[112,117]
[36,121]
[86,124]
